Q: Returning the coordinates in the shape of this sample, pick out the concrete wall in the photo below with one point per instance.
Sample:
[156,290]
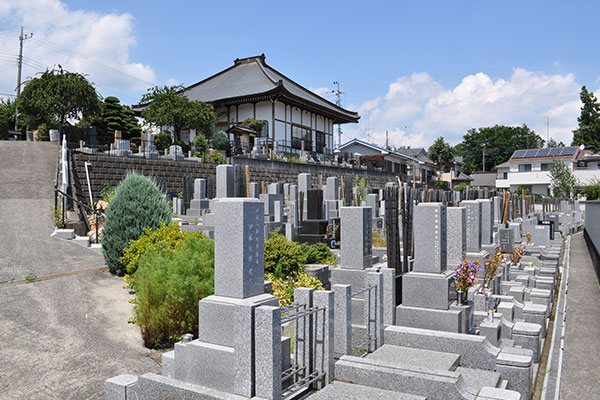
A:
[592,232]
[113,169]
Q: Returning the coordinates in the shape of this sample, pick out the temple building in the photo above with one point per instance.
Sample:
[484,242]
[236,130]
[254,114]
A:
[291,113]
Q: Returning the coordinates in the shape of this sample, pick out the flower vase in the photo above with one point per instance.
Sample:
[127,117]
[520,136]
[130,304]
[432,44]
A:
[461,297]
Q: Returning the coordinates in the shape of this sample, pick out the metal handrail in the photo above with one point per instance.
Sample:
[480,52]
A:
[96,212]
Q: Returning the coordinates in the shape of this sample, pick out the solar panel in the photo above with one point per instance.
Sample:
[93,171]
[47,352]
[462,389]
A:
[518,154]
[530,153]
[543,153]
[555,152]
[568,151]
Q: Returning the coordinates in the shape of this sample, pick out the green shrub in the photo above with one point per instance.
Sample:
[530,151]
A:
[58,220]
[592,190]
[214,156]
[4,120]
[220,141]
[162,140]
[378,239]
[107,192]
[460,186]
[169,236]
[439,184]
[200,144]
[169,283]
[43,133]
[283,288]
[318,253]
[282,258]
[138,204]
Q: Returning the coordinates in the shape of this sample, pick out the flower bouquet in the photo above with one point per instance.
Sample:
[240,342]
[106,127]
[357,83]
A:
[465,277]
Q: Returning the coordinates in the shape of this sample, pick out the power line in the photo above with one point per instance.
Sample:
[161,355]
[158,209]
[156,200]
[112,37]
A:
[54,47]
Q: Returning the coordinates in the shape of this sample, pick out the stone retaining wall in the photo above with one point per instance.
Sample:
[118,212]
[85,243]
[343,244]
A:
[112,169]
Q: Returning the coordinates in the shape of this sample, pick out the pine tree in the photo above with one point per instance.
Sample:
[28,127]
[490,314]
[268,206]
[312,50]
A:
[588,132]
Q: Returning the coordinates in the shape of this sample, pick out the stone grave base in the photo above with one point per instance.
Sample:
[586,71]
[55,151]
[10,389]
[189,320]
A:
[429,318]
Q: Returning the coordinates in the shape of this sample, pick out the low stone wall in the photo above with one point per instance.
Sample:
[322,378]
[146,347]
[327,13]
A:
[592,232]
[112,169]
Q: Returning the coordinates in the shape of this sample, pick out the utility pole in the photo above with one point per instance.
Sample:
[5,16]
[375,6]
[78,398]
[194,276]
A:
[547,129]
[338,103]
[386,140]
[483,157]
[19,67]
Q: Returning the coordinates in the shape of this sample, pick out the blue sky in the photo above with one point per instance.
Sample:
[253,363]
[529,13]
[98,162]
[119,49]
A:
[418,69]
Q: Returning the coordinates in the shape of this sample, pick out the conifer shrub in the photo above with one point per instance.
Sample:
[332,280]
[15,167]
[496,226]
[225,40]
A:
[138,204]
[282,258]
[169,282]
[318,253]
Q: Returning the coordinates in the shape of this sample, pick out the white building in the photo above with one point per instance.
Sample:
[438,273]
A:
[293,114]
[530,169]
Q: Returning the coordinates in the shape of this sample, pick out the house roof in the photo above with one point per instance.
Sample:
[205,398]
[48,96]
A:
[462,177]
[545,154]
[251,79]
[382,150]
[505,164]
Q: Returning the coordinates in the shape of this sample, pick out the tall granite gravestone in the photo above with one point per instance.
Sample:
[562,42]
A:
[199,204]
[506,239]
[487,226]
[304,183]
[93,140]
[225,180]
[474,216]
[239,189]
[332,198]
[188,191]
[428,291]
[314,227]
[222,357]
[457,235]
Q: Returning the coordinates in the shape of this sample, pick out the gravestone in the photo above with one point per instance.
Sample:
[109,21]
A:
[225,180]
[199,205]
[457,235]
[392,228]
[93,140]
[506,239]
[188,191]
[313,229]
[428,291]
[356,237]
[254,190]
[487,221]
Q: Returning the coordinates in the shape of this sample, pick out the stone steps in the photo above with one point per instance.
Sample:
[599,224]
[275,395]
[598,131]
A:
[349,391]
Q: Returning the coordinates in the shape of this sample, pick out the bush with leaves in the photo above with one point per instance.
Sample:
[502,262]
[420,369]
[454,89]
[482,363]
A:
[215,157]
[200,144]
[461,187]
[591,191]
[283,288]
[162,140]
[169,236]
[169,283]
[282,258]
[43,133]
[220,141]
[318,253]
[562,180]
[138,204]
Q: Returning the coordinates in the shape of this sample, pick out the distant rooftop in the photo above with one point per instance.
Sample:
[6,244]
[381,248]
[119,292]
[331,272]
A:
[547,153]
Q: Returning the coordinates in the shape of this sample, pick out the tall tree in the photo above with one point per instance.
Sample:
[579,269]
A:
[57,95]
[562,180]
[168,106]
[588,131]
[441,152]
[554,143]
[498,142]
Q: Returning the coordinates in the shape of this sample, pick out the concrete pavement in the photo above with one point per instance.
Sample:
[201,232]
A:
[62,337]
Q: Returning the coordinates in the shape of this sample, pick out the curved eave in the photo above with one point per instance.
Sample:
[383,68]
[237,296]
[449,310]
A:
[281,94]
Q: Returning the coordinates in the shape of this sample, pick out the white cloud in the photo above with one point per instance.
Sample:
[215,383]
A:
[323,91]
[97,45]
[417,109]
[172,82]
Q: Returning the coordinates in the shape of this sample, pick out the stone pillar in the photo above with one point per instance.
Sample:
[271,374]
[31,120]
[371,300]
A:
[356,237]
[374,309]
[239,247]
[324,331]
[225,181]
[342,319]
[268,352]
[487,221]
[304,327]
[456,235]
[332,188]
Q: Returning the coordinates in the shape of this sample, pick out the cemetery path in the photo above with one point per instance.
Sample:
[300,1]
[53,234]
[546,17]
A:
[26,205]
[581,364]
[61,337]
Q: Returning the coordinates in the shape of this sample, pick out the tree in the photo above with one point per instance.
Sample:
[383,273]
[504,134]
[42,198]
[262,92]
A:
[220,141]
[500,143]
[588,132]
[3,122]
[441,152]
[554,143]
[57,95]
[168,106]
[562,180]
